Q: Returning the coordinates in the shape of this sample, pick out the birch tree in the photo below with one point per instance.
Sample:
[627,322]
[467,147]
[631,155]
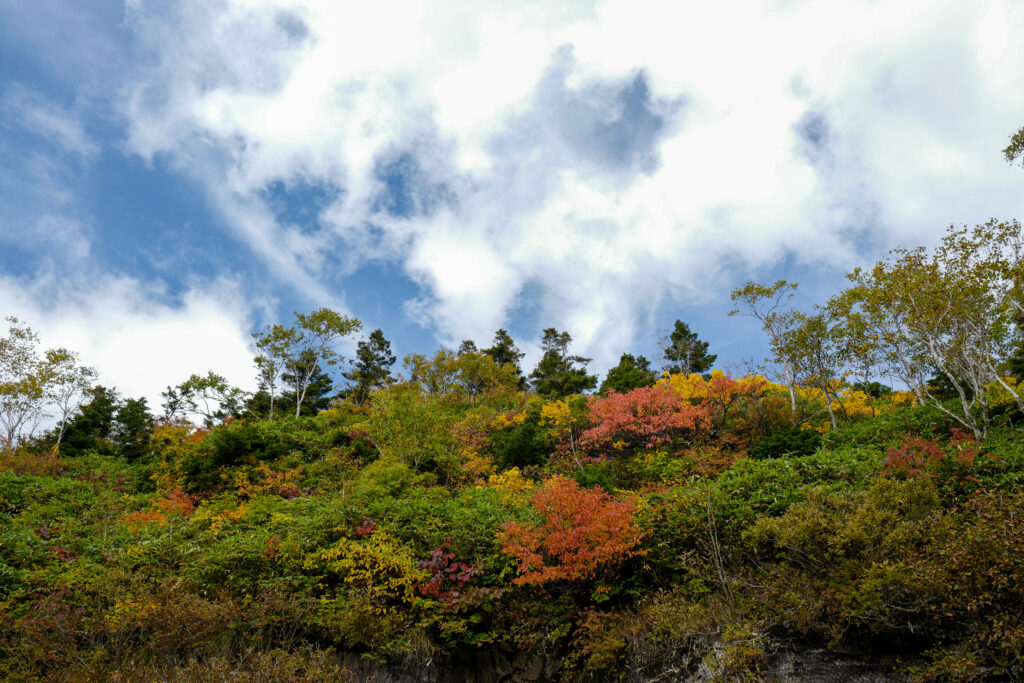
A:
[765,304]
[951,309]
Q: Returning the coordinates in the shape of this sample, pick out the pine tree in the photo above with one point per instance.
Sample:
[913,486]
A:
[631,373]
[94,425]
[558,374]
[372,368]
[134,429]
[505,352]
[685,353]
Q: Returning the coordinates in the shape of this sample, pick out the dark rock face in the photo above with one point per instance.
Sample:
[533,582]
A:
[508,666]
[483,666]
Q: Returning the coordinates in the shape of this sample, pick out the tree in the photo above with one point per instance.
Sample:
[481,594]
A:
[22,393]
[93,427]
[33,382]
[684,352]
[66,384]
[318,386]
[813,345]
[581,533]
[631,373]
[274,351]
[208,396]
[951,310]
[763,303]
[319,331]
[1015,363]
[644,417]
[1015,150]
[461,378]
[309,345]
[557,373]
[133,429]
[505,352]
[372,368]
[414,427]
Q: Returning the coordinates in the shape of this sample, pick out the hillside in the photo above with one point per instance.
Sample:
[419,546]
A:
[628,536]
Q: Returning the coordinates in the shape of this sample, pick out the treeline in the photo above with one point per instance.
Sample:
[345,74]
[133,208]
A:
[944,323]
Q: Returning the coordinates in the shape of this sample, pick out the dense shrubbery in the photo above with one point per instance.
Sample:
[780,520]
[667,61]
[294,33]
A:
[617,533]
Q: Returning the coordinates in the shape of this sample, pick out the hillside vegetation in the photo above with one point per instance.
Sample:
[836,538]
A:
[700,524]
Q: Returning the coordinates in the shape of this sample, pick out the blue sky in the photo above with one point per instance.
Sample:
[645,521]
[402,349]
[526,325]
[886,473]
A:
[175,174]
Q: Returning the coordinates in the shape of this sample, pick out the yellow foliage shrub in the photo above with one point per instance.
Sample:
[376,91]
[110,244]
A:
[903,399]
[377,564]
[220,518]
[511,486]
[265,481]
[475,465]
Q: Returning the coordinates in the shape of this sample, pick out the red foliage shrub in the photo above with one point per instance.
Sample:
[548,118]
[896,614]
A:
[583,531]
[645,417]
[177,502]
[366,528]
[450,580]
[916,454]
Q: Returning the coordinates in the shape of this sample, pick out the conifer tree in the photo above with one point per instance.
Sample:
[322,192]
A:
[631,373]
[558,374]
[372,368]
[685,353]
[505,352]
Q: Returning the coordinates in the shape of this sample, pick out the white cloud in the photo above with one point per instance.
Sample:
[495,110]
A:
[604,154]
[137,340]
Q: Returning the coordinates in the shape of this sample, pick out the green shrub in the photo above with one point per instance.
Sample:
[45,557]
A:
[786,442]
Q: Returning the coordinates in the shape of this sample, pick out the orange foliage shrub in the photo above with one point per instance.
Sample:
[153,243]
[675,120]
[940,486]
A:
[176,503]
[583,531]
[645,417]
[32,464]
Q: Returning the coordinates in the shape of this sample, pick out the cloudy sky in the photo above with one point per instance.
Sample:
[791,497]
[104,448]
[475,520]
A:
[175,174]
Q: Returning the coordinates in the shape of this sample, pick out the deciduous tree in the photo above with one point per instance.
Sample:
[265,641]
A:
[582,532]
[66,383]
[645,417]
[764,303]
[208,396]
[951,309]
[319,333]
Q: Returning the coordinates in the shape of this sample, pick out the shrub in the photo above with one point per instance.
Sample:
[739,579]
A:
[581,532]
[644,417]
[786,442]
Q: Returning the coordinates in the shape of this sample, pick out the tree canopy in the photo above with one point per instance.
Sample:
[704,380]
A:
[558,373]
[684,352]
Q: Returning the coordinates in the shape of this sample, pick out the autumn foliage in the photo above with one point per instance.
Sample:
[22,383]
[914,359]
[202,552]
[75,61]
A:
[582,531]
[646,417]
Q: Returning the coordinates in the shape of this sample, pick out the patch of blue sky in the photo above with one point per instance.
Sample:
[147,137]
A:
[406,190]
[376,294]
[152,221]
[299,202]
